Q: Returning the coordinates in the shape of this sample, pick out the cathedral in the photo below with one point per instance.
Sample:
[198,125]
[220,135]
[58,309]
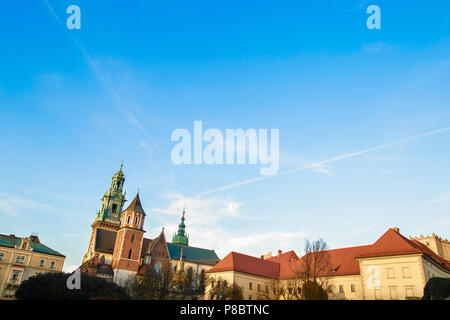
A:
[118,248]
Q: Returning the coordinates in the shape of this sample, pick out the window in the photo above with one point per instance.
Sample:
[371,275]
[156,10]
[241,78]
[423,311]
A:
[390,273]
[352,287]
[128,220]
[129,253]
[52,264]
[406,272]
[2,255]
[136,220]
[259,287]
[249,297]
[41,264]
[393,293]
[341,289]
[20,259]
[132,238]
[250,286]
[267,288]
[15,275]
[158,268]
[114,208]
[212,284]
[409,291]
[377,294]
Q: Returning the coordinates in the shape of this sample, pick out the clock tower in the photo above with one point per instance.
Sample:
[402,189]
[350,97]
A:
[107,220]
[127,250]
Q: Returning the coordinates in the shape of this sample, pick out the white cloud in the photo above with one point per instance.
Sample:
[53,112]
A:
[204,224]
[201,211]
[443,198]
[11,205]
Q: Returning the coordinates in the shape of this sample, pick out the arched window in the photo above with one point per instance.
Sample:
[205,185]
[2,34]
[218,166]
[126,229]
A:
[132,238]
[136,220]
[129,253]
[128,220]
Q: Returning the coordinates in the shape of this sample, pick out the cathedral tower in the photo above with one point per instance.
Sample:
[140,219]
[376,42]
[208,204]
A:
[113,200]
[107,220]
[128,246]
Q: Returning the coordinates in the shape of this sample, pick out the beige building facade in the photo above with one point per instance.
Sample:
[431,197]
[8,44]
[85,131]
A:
[21,258]
[392,268]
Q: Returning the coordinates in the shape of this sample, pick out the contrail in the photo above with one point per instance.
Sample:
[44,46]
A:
[102,79]
[320,163]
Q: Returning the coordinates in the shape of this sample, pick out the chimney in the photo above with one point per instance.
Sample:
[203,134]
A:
[262,257]
[280,252]
[396,230]
[12,235]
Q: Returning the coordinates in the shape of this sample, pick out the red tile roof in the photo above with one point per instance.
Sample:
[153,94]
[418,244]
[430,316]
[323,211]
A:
[343,261]
[243,263]
[430,253]
[389,244]
[284,257]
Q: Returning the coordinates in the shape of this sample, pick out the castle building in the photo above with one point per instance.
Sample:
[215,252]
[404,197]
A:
[118,248]
[21,258]
[391,268]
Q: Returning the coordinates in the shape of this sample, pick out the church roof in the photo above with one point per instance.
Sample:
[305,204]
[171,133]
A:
[136,205]
[193,254]
[11,241]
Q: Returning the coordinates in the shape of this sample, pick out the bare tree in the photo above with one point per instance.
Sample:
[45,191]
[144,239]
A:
[275,290]
[311,273]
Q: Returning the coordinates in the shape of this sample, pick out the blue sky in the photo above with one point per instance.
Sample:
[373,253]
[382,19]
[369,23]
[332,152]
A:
[75,103]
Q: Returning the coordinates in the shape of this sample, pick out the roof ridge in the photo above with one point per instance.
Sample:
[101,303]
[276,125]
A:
[183,245]
[346,248]
[253,257]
